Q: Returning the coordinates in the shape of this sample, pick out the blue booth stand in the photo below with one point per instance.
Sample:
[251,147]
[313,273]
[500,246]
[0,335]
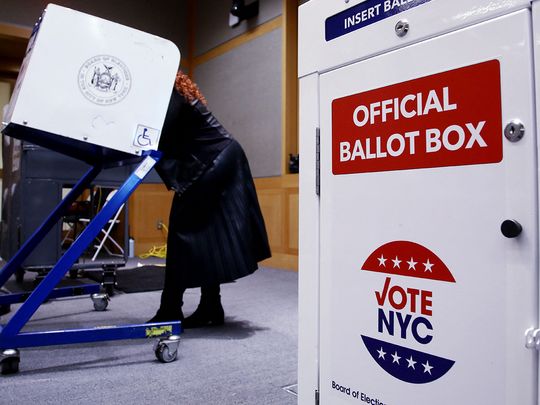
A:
[11,337]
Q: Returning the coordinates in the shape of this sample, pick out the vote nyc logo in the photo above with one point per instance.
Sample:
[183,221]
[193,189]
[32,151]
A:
[406,312]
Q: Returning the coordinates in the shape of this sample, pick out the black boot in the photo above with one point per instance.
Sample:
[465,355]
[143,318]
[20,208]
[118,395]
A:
[167,316]
[170,308]
[209,312]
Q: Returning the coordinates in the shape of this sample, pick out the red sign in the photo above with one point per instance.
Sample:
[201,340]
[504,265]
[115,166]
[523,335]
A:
[446,119]
[409,259]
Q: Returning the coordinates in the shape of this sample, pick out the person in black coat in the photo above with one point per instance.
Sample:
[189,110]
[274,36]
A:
[216,229]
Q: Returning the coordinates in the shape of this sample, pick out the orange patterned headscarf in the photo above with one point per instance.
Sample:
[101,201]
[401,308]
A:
[186,87]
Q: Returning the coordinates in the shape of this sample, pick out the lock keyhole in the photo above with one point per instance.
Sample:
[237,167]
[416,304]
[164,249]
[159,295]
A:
[514,130]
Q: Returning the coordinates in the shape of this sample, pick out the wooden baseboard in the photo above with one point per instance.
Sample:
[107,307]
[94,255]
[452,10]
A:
[282,261]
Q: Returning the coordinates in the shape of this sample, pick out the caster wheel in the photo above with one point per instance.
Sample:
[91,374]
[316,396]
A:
[166,349]
[9,362]
[101,301]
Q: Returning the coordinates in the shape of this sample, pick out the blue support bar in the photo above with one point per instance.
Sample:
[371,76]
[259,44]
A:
[71,336]
[31,243]
[85,289]
[30,306]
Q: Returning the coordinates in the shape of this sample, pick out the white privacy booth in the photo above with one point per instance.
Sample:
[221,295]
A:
[92,84]
[419,202]
[96,91]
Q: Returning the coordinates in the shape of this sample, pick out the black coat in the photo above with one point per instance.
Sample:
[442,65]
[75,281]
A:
[216,229]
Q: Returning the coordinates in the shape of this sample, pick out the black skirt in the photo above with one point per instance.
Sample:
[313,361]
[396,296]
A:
[216,229]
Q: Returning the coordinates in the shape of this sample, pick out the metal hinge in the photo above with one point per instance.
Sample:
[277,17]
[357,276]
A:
[318,161]
[532,338]
[316,397]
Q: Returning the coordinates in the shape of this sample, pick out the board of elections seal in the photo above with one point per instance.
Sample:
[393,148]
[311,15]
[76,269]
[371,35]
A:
[104,80]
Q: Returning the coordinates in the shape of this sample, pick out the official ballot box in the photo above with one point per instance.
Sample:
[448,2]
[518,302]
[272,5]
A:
[419,202]
[91,88]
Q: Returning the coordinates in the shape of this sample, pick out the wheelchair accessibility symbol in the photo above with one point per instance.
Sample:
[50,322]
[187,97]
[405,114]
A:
[145,137]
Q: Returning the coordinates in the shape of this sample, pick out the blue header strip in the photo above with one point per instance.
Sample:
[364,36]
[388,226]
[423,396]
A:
[364,14]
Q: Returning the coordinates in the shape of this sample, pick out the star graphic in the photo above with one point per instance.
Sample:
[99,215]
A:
[428,266]
[396,262]
[427,367]
[411,363]
[382,353]
[382,261]
[395,358]
[412,264]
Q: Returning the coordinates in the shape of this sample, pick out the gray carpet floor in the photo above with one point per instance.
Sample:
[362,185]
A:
[250,360]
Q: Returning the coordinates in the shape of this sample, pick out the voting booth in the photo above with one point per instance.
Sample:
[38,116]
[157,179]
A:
[419,202]
[96,91]
[93,90]
[96,86]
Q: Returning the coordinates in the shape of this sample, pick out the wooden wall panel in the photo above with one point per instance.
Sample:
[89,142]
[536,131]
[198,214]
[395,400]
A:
[278,197]
[293,220]
[149,204]
[273,209]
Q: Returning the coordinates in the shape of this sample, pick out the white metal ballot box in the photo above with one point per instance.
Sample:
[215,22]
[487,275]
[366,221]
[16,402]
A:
[419,202]
[91,86]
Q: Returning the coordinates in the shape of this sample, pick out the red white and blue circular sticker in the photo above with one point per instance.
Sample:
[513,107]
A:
[405,312]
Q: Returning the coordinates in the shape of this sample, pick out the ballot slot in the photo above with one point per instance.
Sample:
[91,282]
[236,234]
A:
[336,33]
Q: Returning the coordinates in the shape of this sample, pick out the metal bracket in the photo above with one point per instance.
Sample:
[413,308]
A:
[532,338]
[318,161]
[108,280]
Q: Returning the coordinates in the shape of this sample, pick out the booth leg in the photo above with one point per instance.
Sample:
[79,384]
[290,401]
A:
[42,291]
